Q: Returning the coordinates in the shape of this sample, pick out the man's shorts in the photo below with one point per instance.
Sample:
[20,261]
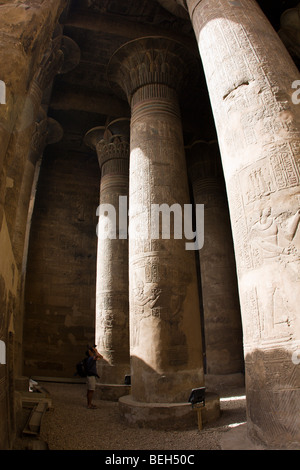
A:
[91,382]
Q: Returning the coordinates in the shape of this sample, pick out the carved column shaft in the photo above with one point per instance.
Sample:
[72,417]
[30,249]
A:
[112,317]
[165,334]
[25,32]
[222,317]
[250,75]
[47,131]
[30,139]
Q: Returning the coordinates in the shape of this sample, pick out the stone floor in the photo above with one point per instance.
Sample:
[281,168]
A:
[69,425]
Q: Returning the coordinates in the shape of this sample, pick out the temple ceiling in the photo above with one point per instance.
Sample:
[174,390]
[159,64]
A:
[82,98]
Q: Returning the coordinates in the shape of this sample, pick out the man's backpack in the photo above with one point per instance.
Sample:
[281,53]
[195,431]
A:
[81,368]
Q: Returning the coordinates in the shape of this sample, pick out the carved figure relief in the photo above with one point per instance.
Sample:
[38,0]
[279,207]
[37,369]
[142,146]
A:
[265,237]
[144,306]
[150,300]
[272,242]
[146,299]
[111,322]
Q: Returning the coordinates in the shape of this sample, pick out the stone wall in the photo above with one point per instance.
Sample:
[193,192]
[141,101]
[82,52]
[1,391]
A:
[25,32]
[60,282]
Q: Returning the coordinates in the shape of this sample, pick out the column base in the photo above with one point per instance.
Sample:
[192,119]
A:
[111,392]
[168,416]
[238,439]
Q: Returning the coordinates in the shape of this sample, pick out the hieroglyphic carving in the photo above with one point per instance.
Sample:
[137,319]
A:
[257,126]
[152,271]
[112,323]
[266,176]
[152,298]
[269,307]
[256,181]
[239,228]
[146,299]
[252,326]
[264,93]
[284,167]
[111,143]
[146,289]
[255,184]
[151,71]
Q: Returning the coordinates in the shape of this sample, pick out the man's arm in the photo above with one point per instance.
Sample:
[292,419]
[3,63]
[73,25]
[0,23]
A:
[97,355]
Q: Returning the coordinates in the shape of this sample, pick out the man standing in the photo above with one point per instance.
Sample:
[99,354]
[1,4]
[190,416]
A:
[91,368]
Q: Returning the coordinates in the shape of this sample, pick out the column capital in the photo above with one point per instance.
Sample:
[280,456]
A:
[61,57]
[55,132]
[150,61]
[290,31]
[176,7]
[111,142]
[72,55]
[94,136]
[181,8]
[50,65]
[47,131]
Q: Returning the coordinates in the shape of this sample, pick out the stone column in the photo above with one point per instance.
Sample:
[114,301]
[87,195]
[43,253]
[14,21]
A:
[222,316]
[21,53]
[112,316]
[25,33]
[33,131]
[61,56]
[47,131]
[250,78]
[165,333]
